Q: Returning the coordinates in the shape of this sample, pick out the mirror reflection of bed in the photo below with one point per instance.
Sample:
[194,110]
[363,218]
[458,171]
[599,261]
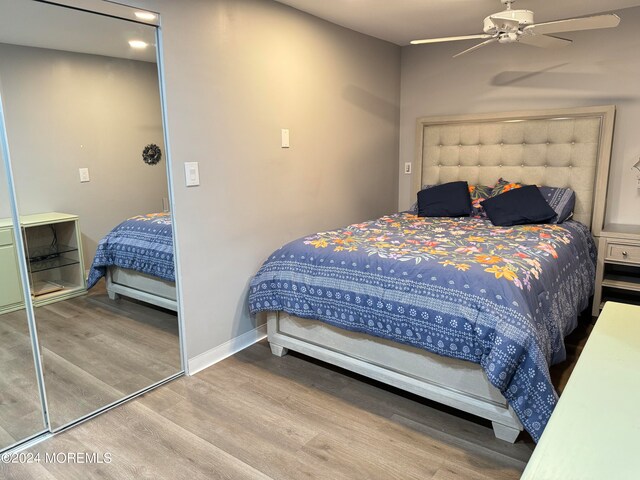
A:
[136,260]
[85,128]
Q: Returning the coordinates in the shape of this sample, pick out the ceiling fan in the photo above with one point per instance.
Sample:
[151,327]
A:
[511,26]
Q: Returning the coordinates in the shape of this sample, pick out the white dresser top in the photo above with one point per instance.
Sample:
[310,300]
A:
[594,432]
[39,219]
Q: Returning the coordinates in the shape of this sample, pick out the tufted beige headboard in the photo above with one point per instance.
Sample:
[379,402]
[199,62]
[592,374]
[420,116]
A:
[559,148]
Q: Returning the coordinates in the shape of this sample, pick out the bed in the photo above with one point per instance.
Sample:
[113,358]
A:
[136,259]
[455,310]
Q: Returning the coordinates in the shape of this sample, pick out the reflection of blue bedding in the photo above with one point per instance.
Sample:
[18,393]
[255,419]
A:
[143,243]
[460,287]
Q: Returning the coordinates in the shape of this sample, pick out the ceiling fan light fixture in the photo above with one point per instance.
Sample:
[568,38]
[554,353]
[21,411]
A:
[509,20]
[508,37]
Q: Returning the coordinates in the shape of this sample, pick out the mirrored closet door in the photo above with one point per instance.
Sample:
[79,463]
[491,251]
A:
[21,412]
[84,125]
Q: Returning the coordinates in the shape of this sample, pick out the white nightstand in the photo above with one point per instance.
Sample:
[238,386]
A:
[618,270]
[53,250]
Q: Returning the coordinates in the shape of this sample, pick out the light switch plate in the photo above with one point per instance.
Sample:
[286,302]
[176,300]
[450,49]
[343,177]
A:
[191,174]
[84,175]
[285,138]
[407,168]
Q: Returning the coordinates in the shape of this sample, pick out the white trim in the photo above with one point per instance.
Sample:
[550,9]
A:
[109,8]
[174,221]
[117,403]
[228,348]
[28,443]
[22,264]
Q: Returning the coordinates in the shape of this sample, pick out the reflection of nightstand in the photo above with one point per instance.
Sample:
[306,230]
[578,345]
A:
[54,256]
[618,271]
[53,248]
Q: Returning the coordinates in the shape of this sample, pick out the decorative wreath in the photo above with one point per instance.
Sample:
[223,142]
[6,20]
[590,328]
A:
[151,154]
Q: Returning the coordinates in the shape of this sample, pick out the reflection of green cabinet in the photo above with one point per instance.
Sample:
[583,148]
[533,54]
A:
[10,286]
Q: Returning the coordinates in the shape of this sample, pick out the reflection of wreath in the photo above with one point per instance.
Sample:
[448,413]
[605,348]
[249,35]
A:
[151,154]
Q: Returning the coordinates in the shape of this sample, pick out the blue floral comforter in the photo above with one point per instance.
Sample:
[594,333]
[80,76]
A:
[502,297]
[143,243]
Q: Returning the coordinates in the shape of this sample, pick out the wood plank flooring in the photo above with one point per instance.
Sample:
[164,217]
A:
[20,407]
[94,350]
[255,415]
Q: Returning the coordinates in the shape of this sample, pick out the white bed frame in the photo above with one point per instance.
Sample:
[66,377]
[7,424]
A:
[129,283]
[562,148]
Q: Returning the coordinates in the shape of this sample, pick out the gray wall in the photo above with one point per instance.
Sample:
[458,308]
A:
[68,110]
[238,71]
[601,67]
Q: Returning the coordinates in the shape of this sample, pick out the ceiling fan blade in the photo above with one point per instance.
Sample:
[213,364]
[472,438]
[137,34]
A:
[450,39]
[487,42]
[574,24]
[544,41]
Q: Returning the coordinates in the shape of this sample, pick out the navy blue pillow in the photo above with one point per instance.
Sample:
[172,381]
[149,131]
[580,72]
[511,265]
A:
[446,200]
[520,206]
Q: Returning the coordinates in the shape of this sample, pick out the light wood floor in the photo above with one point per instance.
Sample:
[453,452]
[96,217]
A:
[255,415]
[258,416]
[20,408]
[94,350]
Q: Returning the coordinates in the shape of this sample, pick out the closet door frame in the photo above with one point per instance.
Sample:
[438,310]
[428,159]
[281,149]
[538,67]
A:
[24,277]
[127,13]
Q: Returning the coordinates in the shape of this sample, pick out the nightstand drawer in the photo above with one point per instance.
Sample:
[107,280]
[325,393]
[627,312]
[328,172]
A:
[619,252]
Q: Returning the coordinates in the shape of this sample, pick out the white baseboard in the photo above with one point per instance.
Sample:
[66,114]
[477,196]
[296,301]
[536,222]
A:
[219,353]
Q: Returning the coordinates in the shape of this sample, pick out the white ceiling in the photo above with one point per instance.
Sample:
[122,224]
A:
[35,24]
[400,21]
[26,22]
